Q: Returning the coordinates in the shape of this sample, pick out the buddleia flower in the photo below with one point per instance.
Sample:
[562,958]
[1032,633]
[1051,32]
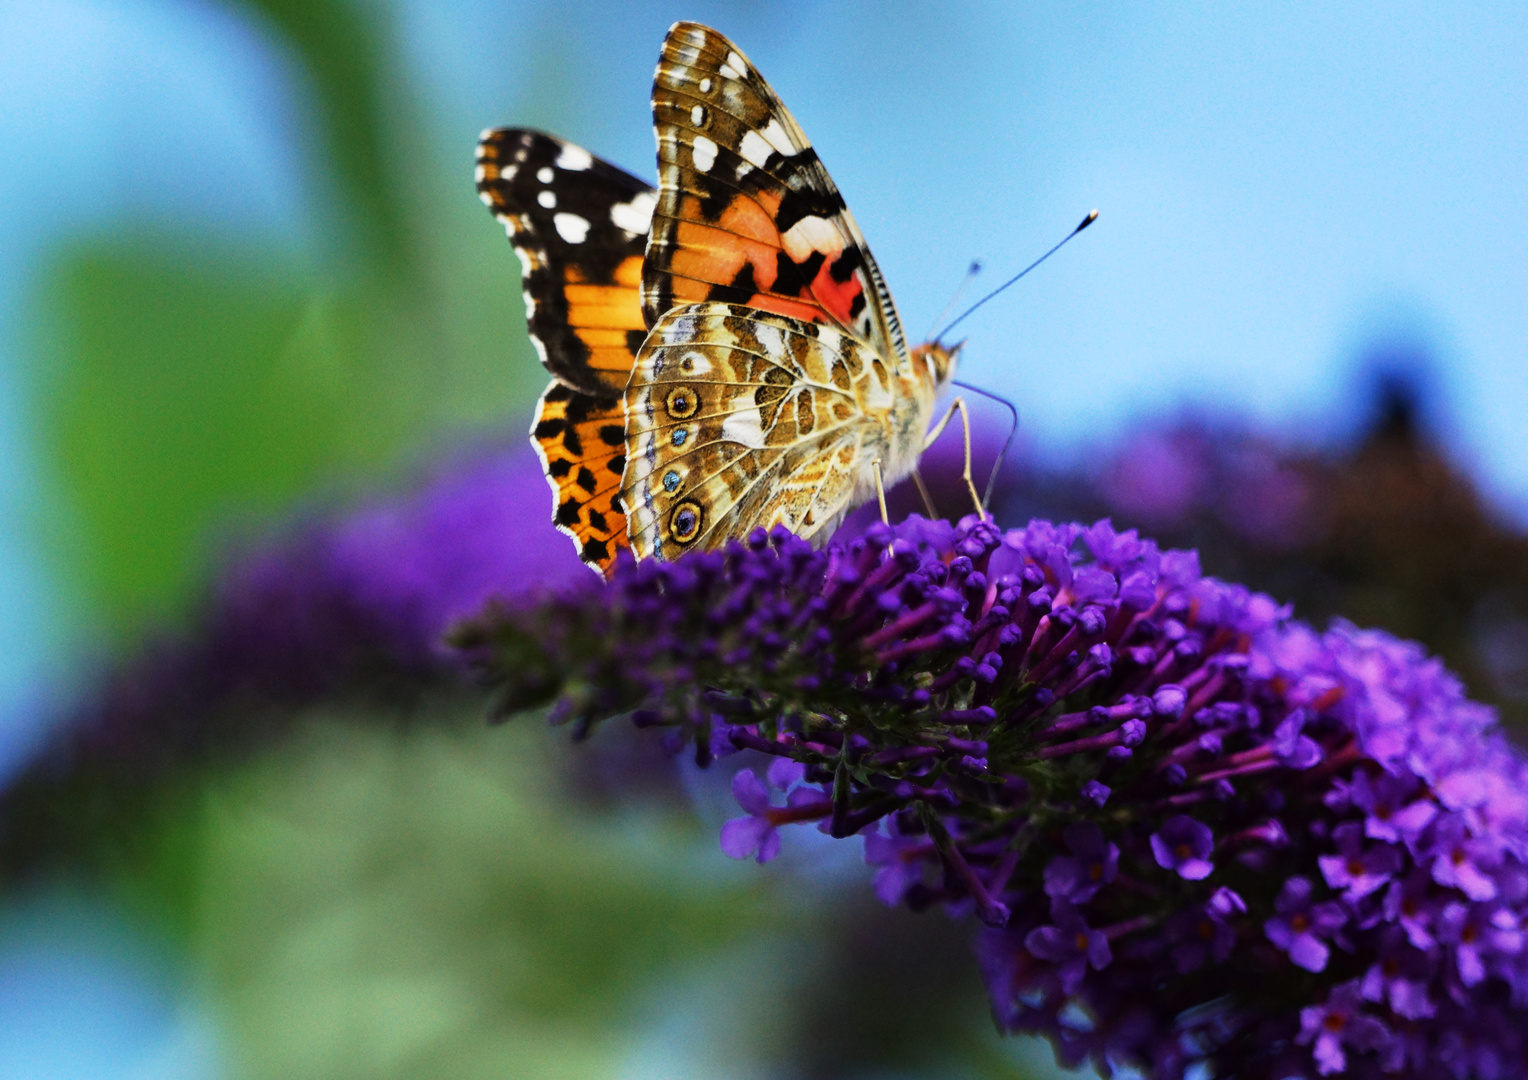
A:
[1197,836]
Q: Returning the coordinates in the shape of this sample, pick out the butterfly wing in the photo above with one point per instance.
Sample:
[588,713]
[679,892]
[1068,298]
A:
[738,418]
[746,213]
[579,225]
[581,441]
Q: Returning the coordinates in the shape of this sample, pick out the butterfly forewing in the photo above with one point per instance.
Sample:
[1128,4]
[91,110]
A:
[579,225]
[746,212]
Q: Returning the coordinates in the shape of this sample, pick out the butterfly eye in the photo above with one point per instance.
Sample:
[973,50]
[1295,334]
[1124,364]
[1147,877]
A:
[684,522]
[682,402]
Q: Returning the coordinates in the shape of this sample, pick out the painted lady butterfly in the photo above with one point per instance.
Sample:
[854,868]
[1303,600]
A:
[724,352]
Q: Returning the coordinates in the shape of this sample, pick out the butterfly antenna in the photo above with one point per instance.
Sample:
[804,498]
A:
[1092,217]
[971,272]
[1013,429]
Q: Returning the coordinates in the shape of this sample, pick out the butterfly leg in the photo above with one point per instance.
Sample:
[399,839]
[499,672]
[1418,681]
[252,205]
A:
[965,427]
[928,501]
[880,491]
[880,495]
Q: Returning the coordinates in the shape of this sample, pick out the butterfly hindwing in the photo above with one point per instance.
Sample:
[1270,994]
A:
[582,444]
[746,212]
[738,417]
[579,225]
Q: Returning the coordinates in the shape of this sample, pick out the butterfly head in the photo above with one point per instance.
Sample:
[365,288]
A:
[934,363]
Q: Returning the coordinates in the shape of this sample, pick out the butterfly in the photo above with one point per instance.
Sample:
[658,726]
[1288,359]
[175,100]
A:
[724,352]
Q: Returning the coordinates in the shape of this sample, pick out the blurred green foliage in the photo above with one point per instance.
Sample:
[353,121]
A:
[193,379]
[426,904]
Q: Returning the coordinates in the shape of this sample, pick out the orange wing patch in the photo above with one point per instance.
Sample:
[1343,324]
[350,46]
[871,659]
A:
[607,317]
[582,444]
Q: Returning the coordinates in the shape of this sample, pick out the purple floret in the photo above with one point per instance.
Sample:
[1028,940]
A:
[1071,945]
[1184,847]
[1302,927]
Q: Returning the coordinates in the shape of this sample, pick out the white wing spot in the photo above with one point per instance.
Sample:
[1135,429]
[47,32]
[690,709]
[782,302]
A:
[547,199]
[735,62]
[775,135]
[635,216]
[574,158]
[770,338]
[704,153]
[571,227]
[755,149]
[697,115]
[745,426]
[695,363]
[811,234]
[728,72]
[679,331]
[705,85]
[544,174]
[743,169]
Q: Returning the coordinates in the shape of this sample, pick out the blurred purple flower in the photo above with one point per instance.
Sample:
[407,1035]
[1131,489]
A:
[1167,477]
[357,604]
[1070,944]
[1356,870]
[1340,1022]
[1076,878]
[1301,925]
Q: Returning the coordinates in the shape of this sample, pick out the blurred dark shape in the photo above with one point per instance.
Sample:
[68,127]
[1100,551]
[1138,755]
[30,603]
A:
[1412,546]
[1387,533]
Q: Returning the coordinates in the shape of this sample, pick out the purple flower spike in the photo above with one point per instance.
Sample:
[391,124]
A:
[1184,846]
[1040,729]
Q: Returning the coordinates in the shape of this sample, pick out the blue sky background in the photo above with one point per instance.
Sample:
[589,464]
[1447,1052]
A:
[1290,194]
